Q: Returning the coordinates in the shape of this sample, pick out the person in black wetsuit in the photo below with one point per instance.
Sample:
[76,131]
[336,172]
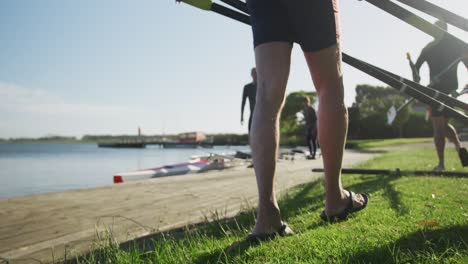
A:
[310,118]
[442,56]
[250,92]
[314,25]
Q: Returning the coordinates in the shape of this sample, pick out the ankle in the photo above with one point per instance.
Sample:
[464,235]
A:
[268,219]
[336,202]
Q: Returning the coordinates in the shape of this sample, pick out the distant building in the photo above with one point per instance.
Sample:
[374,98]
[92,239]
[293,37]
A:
[192,137]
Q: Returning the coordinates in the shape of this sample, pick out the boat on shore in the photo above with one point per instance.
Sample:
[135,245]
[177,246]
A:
[169,170]
[197,164]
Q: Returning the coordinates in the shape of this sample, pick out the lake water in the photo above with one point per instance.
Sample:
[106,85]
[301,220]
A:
[31,168]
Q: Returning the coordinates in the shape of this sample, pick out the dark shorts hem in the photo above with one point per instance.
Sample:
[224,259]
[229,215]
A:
[313,24]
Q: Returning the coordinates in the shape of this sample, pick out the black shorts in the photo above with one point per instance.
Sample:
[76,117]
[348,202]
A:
[313,24]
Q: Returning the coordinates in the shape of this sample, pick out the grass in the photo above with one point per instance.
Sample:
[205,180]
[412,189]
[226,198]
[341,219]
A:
[376,143]
[408,220]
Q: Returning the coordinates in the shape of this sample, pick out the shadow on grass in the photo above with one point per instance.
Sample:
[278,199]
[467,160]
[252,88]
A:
[420,246]
[375,183]
[304,200]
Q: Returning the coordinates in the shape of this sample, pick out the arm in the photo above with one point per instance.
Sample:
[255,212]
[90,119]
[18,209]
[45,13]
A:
[414,70]
[420,61]
[244,97]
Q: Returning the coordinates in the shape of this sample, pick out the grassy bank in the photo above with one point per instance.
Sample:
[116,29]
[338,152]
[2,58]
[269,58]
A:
[409,220]
[378,143]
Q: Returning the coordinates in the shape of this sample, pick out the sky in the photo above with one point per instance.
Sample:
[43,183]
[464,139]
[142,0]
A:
[108,67]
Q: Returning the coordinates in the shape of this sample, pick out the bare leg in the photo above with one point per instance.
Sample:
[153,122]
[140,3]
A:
[325,68]
[439,124]
[273,61]
[451,134]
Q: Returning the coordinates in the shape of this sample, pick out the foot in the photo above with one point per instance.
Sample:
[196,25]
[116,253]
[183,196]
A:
[268,219]
[439,167]
[283,230]
[352,203]
[463,154]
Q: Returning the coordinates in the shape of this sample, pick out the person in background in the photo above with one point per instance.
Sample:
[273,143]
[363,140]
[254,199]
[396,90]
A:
[310,118]
[439,55]
[250,92]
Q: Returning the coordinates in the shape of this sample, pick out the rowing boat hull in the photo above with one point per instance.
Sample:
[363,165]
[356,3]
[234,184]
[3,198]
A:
[171,170]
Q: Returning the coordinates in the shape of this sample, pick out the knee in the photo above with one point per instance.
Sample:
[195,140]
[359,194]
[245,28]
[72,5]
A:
[270,97]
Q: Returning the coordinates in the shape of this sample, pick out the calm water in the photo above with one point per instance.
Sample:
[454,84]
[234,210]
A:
[48,167]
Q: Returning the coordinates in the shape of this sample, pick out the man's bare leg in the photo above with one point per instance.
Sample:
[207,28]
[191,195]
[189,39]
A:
[451,134]
[273,62]
[325,68]
[439,125]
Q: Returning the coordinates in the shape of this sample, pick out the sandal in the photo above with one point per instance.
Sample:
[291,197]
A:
[348,210]
[283,230]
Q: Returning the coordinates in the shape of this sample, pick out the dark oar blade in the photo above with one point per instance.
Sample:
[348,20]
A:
[438,12]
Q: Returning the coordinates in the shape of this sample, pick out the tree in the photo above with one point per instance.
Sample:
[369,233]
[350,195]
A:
[372,104]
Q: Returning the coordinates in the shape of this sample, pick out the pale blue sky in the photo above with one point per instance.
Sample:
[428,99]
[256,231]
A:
[109,66]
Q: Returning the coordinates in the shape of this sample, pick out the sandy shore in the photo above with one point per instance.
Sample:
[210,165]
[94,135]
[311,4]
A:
[47,226]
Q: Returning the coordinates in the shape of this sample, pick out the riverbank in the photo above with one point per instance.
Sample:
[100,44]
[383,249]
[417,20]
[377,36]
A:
[409,219]
[54,225]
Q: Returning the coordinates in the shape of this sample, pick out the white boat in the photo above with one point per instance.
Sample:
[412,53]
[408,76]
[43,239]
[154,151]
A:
[169,170]
[196,164]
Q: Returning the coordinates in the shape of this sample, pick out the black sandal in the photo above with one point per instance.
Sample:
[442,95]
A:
[283,230]
[348,210]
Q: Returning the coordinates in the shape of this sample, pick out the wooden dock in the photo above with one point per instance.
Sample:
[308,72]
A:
[163,144]
[47,227]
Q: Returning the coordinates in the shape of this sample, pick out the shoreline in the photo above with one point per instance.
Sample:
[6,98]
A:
[66,223]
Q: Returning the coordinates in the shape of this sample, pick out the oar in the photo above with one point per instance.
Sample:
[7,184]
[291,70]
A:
[416,21]
[208,5]
[239,5]
[393,112]
[438,12]
[404,88]
[363,66]
[444,98]
[398,172]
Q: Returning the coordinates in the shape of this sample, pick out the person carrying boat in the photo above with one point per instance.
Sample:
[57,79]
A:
[443,56]
[276,25]
[250,92]
[310,118]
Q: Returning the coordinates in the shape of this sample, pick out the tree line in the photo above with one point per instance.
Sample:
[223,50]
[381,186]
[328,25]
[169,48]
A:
[367,116]
[367,120]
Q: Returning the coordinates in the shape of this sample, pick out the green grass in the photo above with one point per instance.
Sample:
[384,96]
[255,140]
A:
[408,220]
[375,143]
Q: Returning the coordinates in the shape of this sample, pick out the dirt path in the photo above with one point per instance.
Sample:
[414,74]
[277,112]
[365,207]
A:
[47,226]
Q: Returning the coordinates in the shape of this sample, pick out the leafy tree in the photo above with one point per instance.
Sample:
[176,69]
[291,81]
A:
[372,104]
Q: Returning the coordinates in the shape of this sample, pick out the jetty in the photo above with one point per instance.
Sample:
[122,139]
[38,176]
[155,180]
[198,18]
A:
[49,227]
[183,140]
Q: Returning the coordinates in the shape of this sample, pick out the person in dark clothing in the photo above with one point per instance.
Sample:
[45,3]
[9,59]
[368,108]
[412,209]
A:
[310,118]
[250,92]
[443,56]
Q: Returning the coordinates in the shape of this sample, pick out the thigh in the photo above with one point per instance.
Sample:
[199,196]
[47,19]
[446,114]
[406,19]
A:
[314,23]
[439,123]
[273,63]
[325,69]
[270,22]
